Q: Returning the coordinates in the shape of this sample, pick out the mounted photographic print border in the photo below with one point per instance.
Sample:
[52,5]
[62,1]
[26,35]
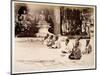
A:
[52,37]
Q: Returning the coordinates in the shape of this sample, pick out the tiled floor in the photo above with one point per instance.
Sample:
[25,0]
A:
[33,56]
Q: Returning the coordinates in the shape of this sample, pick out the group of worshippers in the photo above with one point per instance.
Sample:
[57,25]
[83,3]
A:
[75,52]
[52,41]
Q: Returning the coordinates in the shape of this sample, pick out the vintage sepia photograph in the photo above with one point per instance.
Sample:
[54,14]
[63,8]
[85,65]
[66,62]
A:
[49,37]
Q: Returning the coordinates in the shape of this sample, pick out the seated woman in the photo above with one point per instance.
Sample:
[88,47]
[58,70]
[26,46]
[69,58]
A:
[66,50]
[56,43]
[45,39]
[50,41]
[76,52]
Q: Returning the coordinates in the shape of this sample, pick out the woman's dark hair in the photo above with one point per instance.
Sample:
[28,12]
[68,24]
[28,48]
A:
[22,9]
[67,40]
[51,37]
[56,37]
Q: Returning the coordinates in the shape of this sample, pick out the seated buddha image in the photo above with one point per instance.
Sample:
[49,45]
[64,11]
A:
[42,20]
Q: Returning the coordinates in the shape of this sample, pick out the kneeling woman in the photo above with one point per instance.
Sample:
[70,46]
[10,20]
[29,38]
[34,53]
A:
[76,53]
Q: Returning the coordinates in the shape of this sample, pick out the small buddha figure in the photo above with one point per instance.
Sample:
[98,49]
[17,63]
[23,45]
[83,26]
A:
[42,18]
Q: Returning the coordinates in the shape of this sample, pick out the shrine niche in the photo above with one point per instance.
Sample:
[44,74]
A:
[31,22]
[76,21]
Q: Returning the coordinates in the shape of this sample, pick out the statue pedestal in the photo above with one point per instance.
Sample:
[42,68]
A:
[43,30]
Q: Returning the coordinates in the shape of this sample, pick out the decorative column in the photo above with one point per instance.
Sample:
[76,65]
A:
[57,20]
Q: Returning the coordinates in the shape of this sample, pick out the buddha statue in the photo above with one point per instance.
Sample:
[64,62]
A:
[43,26]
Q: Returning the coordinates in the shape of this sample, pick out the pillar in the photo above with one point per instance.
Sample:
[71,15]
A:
[57,20]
